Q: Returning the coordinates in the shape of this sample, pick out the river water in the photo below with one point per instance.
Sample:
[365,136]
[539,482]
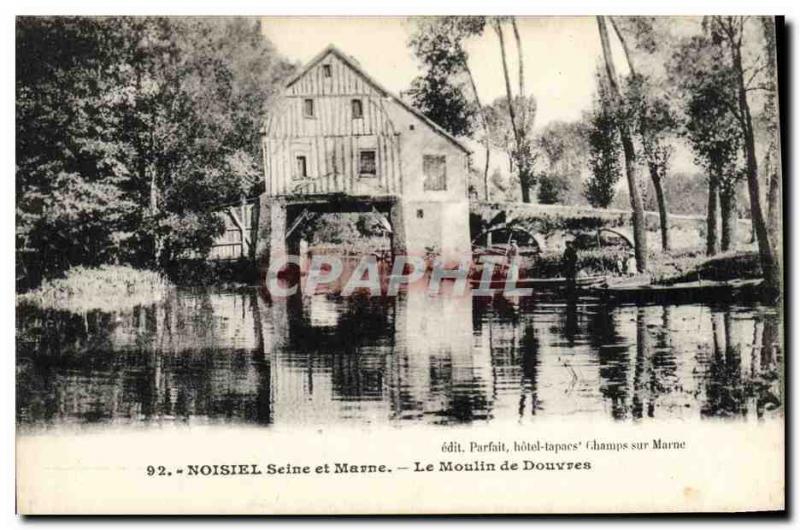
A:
[222,357]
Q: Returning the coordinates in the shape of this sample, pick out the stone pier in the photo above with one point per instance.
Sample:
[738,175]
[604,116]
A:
[417,227]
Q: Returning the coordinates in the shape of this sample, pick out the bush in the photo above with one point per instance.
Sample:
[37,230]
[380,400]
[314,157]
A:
[693,266]
[590,261]
[107,288]
[552,188]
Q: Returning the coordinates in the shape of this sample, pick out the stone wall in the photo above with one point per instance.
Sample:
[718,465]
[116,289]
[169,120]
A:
[554,224]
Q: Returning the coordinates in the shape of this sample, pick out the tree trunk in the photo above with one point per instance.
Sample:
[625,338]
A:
[158,242]
[485,123]
[523,119]
[774,199]
[654,176]
[712,234]
[523,177]
[663,214]
[509,96]
[727,202]
[769,265]
[774,217]
[639,232]
[624,44]
[773,165]
[774,189]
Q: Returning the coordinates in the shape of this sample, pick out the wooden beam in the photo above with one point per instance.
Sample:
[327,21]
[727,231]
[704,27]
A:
[384,222]
[238,222]
[297,222]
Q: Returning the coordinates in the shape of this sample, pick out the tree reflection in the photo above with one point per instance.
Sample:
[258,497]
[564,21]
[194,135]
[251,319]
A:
[240,357]
[731,390]
[724,390]
[769,385]
[153,363]
[613,358]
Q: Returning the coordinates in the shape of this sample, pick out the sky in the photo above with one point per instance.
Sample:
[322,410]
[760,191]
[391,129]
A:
[560,55]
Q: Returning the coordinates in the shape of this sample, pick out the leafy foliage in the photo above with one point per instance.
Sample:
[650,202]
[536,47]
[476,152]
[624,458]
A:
[552,188]
[440,92]
[712,130]
[501,135]
[444,103]
[604,149]
[653,119]
[590,261]
[130,132]
[562,148]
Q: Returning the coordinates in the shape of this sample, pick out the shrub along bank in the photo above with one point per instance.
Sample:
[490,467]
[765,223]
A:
[107,288]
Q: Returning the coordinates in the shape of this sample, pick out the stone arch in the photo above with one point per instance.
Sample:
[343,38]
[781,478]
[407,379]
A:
[505,227]
[616,233]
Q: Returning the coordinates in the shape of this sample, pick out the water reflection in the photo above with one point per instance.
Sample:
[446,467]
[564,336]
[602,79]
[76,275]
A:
[238,357]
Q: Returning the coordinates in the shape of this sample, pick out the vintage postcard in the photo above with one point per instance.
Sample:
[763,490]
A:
[399,265]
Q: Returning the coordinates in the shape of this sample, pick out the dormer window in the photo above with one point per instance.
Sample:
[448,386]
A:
[308,108]
[326,71]
[357,108]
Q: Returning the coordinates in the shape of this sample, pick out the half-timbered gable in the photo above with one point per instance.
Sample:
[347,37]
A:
[336,130]
[338,140]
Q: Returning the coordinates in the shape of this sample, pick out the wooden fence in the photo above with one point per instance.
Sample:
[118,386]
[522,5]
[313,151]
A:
[240,233]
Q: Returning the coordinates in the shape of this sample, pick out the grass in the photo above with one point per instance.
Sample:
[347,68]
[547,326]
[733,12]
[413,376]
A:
[663,268]
[107,288]
[693,265]
[590,261]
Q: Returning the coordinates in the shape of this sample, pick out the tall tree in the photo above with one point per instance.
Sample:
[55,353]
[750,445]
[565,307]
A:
[519,110]
[158,128]
[653,121]
[444,102]
[562,147]
[713,132]
[501,136]
[605,149]
[769,118]
[629,151]
[728,32]
[647,103]
[71,208]
[439,44]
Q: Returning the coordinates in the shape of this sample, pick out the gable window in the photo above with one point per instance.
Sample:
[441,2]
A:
[366,162]
[434,172]
[308,108]
[357,108]
[326,70]
[301,167]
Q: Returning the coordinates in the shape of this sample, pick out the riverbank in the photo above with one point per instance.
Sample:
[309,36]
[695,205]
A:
[106,288]
[114,287]
[694,266]
[662,267]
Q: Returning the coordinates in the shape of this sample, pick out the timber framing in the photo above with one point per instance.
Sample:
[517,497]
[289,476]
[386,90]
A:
[331,49]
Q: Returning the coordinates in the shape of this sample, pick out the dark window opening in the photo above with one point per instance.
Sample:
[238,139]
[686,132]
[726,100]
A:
[420,214]
[326,70]
[366,162]
[308,108]
[301,171]
[358,109]
[434,171]
[411,127]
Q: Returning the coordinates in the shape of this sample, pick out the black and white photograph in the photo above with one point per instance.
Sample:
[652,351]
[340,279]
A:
[265,260]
